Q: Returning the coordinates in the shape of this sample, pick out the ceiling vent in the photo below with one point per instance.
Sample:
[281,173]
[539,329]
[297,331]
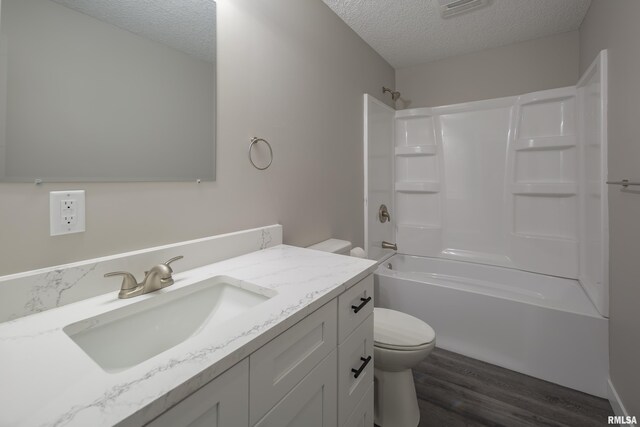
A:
[450,8]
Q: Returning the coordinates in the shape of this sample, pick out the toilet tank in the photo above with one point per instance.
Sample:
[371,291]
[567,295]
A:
[335,246]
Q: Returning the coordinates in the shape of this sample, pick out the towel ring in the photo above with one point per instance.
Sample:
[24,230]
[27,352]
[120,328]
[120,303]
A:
[254,141]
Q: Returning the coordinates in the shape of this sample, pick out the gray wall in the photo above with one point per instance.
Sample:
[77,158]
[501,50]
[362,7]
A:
[613,25]
[544,63]
[3,99]
[3,102]
[288,70]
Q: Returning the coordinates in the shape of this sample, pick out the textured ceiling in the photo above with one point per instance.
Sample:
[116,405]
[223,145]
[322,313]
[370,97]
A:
[411,32]
[186,25]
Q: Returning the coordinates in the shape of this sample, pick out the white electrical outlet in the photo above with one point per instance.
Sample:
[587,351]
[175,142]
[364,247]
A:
[66,212]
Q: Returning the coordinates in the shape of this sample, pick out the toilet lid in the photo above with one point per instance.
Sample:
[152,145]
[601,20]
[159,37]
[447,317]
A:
[400,330]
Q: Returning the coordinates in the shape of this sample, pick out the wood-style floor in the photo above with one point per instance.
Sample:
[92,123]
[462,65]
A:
[454,390]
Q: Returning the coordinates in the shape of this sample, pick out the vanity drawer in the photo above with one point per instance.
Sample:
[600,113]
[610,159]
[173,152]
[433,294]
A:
[355,305]
[363,415]
[280,364]
[356,353]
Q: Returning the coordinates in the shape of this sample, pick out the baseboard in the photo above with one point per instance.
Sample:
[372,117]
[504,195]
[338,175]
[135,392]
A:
[614,400]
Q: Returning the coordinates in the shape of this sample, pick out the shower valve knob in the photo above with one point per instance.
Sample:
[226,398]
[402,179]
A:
[383,214]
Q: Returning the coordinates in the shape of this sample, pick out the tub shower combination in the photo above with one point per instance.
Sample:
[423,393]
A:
[498,209]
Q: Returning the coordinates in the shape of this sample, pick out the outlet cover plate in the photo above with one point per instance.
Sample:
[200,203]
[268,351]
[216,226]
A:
[66,212]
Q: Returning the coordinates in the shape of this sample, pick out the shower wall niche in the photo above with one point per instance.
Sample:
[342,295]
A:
[514,182]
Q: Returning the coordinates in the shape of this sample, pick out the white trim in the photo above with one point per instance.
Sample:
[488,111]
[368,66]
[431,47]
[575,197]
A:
[614,400]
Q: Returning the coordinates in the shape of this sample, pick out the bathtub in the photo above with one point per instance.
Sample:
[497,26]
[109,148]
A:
[539,325]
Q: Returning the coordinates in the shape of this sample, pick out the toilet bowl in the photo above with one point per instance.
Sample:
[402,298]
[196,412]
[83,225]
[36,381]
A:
[401,342]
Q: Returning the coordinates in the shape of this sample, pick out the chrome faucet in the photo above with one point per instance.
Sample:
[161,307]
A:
[387,245]
[160,276]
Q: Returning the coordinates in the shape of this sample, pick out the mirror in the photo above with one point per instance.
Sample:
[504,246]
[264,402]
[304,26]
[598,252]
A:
[107,91]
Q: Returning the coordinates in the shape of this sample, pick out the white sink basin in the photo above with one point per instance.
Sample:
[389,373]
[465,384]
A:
[127,336]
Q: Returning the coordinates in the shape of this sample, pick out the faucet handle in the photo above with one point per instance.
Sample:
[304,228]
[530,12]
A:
[128,280]
[164,267]
[179,257]
[166,264]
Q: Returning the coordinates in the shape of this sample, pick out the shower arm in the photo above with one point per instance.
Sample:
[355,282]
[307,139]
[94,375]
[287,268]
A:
[395,95]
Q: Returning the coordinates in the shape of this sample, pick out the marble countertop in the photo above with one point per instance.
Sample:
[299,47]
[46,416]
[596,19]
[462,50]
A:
[47,380]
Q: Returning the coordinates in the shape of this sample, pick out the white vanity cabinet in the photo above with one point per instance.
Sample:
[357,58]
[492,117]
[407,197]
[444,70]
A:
[318,373]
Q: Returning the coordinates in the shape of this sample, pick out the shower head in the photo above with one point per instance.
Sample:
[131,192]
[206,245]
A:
[395,95]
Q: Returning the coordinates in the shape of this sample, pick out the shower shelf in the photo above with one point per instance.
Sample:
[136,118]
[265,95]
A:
[545,189]
[545,143]
[546,237]
[417,150]
[420,226]
[418,187]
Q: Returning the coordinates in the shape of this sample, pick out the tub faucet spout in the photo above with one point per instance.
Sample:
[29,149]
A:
[387,245]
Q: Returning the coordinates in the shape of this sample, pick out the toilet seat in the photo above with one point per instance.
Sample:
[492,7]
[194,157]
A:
[394,330]
[403,348]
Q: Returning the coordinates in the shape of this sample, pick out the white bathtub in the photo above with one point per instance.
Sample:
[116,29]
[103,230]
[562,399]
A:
[539,325]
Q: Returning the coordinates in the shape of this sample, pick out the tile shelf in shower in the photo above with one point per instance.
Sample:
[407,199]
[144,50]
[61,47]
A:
[417,187]
[558,189]
[545,143]
[417,150]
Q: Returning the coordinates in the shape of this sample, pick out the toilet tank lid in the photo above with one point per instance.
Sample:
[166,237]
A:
[335,246]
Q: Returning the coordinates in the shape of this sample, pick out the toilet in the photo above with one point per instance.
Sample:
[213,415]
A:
[401,342]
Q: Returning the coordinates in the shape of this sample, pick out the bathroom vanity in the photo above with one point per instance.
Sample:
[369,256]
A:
[277,336]
[295,378]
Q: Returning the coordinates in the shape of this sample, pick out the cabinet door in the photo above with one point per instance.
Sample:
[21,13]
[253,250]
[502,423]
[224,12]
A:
[311,403]
[222,402]
[284,361]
